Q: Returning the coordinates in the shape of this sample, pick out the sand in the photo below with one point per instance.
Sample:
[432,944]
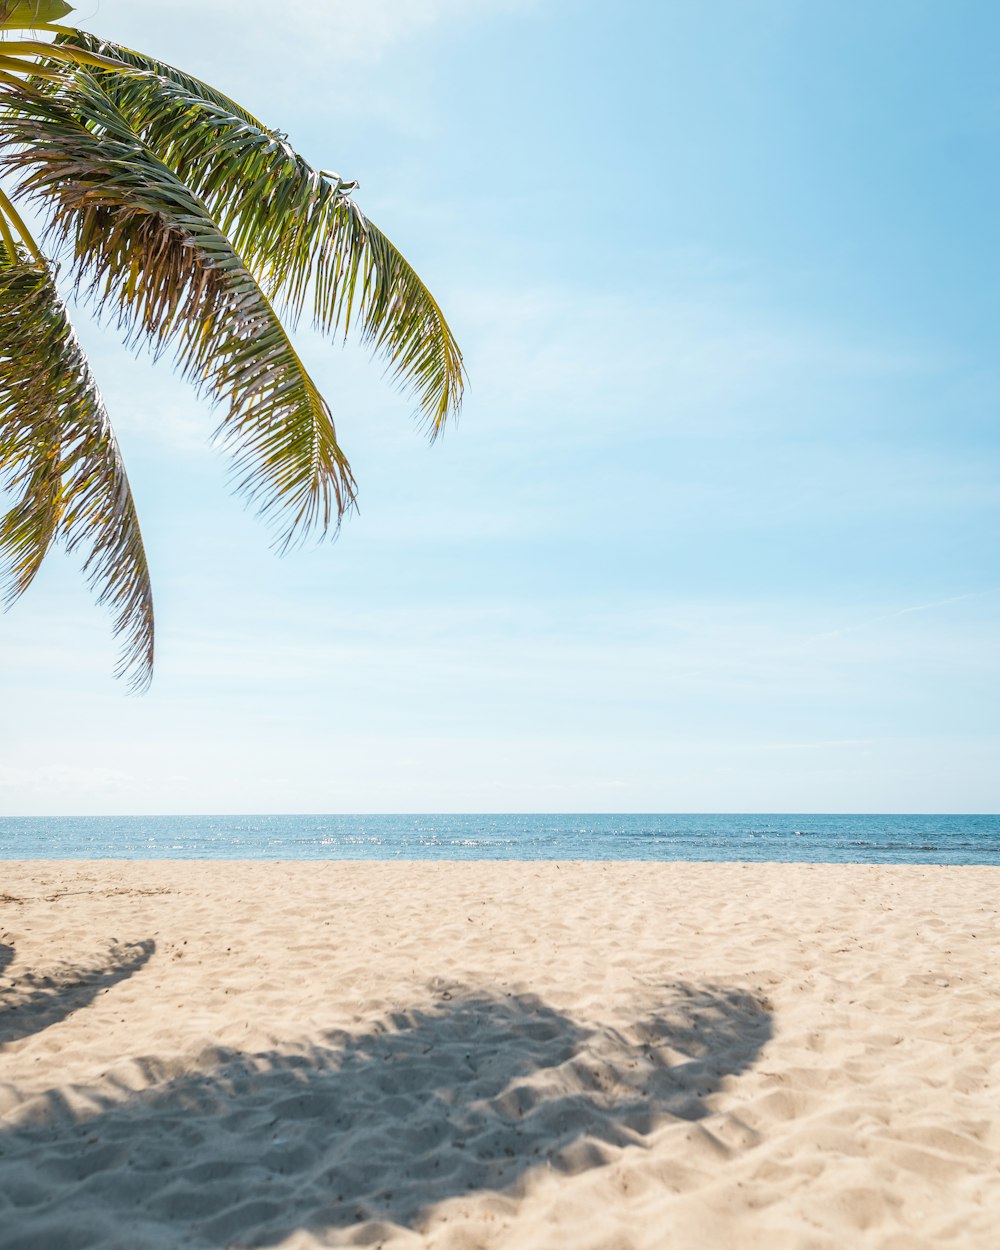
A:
[585,1056]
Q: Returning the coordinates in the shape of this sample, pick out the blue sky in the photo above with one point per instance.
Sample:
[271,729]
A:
[717,528]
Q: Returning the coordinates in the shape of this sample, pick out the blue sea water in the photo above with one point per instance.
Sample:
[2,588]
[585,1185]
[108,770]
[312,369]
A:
[869,839]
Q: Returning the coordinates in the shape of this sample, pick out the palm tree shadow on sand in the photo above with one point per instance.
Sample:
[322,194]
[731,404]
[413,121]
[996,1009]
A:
[463,1096]
[35,1001]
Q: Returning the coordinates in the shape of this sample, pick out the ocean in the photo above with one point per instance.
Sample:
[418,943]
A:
[839,839]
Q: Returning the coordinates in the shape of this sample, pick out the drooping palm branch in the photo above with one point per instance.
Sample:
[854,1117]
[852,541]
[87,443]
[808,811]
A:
[184,216]
[61,457]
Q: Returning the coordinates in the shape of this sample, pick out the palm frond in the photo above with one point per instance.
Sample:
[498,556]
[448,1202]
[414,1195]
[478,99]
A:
[32,13]
[150,65]
[58,454]
[396,313]
[296,227]
[143,245]
[11,224]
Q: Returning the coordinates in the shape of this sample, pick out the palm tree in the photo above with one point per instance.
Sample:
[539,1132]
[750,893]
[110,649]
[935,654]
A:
[187,219]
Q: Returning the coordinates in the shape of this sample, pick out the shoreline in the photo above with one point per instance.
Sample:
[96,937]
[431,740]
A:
[438,838]
[464,1054]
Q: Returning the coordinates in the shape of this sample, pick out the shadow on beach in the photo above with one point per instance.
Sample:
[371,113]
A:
[34,1002]
[463,1096]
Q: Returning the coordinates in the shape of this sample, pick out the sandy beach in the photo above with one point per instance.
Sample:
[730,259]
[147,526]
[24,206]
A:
[510,1055]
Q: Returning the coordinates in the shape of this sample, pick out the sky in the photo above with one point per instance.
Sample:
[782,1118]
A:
[716,530]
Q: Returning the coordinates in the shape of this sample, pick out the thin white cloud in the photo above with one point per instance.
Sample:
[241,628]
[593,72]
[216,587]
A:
[62,778]
[337,33]
[685,354]
[907,611]
[316,62]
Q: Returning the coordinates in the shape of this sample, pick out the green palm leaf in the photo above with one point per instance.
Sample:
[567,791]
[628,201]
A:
[149,65]
[145,246]
[183,216]
[296,227]
[23,13]
[58,454]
